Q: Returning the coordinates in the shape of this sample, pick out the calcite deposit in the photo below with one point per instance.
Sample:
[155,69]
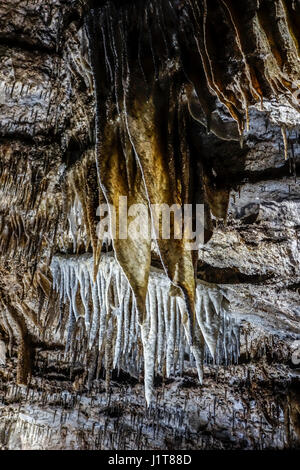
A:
[113,342]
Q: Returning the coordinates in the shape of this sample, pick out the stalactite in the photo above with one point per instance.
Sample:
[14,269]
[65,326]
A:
[285,141]
[112,313]
[117,325]
[19,327]
[133,113]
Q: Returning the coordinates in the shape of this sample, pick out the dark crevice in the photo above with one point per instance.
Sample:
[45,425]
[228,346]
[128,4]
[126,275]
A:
[230,275]
[269,174]
[21,43]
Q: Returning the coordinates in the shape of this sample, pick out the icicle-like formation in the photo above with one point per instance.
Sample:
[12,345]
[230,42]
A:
[108,310]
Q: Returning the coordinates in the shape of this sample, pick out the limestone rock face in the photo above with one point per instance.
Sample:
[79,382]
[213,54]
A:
[184,102]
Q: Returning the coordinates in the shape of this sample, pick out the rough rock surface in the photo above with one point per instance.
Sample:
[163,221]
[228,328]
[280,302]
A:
[47,112]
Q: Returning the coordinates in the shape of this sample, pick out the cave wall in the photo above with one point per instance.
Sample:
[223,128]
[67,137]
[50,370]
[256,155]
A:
[47,143]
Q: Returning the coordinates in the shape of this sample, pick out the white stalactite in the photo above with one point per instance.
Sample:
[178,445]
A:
[109,303]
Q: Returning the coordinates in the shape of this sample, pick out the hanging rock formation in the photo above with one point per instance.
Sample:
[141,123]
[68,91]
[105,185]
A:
[154,102]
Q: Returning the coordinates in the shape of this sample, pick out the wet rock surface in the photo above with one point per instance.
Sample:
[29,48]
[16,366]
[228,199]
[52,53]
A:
[47,129]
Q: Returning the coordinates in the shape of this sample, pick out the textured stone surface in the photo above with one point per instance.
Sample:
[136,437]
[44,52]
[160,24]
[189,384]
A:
[47,111]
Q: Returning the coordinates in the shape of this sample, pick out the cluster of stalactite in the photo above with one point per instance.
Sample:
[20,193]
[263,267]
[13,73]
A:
[156,68]
[265,38]
[104,312]
[147,74]
[81,198]
[29,213]
[29,218]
